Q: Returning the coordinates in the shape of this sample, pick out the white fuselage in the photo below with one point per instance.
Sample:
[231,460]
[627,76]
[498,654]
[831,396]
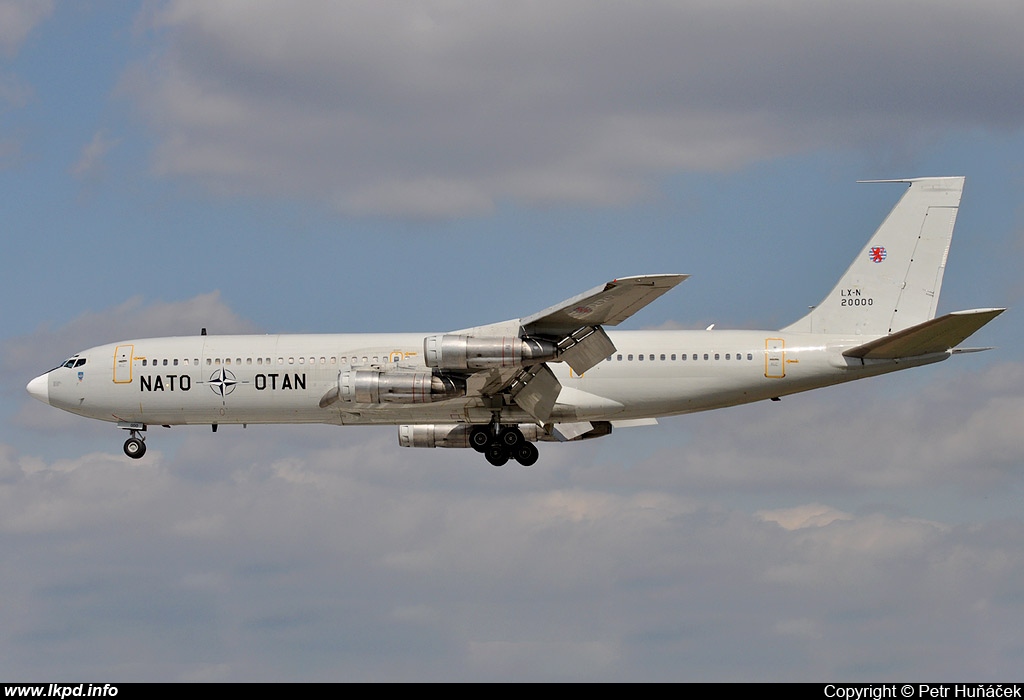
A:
[281,378]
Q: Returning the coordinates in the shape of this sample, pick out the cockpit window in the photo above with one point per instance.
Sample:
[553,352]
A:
[79,362]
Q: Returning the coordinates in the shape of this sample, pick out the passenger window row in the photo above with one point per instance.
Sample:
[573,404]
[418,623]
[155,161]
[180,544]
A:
[259,361]
[681,357]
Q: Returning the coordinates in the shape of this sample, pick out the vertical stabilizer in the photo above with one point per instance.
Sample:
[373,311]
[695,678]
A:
[894,281]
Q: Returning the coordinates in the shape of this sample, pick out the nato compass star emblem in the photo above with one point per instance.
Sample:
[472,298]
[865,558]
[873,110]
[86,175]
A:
[223,382]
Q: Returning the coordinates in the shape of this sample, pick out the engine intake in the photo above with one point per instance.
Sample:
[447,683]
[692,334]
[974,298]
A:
[462,352]
[372,386]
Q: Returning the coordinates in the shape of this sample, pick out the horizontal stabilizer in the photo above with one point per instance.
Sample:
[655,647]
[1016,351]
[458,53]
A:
[935,336]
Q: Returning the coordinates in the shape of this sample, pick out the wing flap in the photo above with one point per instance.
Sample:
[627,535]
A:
[934,336]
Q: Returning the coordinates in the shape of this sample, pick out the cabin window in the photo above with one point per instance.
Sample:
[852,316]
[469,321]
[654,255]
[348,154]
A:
[749,356]
[662,358]
[728,356]
[683,357]
[706,356]
[629,357]
[619,358]
[640,357]
[302,360]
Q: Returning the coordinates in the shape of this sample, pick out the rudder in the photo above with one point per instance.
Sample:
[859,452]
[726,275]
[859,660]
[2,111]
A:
[894,282]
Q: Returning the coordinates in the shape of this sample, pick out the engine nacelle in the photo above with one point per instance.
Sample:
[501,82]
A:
[444,435]
[372,386]
[462,352]
[455,434]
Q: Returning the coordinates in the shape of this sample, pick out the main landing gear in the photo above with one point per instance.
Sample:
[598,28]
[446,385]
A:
[500,443]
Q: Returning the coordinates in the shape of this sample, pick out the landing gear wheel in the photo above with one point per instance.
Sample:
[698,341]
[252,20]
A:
[497,455]
[479,438]
[510,437]
[134,447]
[526,454]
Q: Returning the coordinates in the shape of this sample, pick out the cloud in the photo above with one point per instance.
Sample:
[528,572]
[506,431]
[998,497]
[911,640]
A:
[445,109]
[18,18]
[353,559]
[957,431]
[90,163]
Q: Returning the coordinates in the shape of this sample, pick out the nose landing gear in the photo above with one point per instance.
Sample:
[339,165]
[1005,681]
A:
[134,446]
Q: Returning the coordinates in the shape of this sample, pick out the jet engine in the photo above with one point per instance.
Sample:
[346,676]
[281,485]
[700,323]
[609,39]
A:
[372,386]
[464,352]
[457,434]
[445,435]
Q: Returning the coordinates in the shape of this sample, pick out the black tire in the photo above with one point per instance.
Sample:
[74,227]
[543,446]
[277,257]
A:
[134,448]
[511,437]
[479,438]
[526,454]
[497,455]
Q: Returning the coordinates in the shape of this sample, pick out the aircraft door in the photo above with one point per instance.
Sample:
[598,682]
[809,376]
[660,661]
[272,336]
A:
[123,364]
[775,358]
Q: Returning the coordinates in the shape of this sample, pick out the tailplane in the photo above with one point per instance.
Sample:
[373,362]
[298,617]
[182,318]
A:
[894,282]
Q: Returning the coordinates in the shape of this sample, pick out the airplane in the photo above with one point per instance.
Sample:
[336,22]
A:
[554,376]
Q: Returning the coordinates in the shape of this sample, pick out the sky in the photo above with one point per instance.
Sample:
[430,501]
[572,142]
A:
[336,166]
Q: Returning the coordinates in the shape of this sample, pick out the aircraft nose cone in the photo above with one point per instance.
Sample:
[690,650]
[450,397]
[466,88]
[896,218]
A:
[39,388]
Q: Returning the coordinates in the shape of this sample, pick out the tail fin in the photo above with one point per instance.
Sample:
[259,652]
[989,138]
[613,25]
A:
[894,282]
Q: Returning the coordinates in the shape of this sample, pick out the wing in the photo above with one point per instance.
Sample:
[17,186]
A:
[571,332]
[607,305]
